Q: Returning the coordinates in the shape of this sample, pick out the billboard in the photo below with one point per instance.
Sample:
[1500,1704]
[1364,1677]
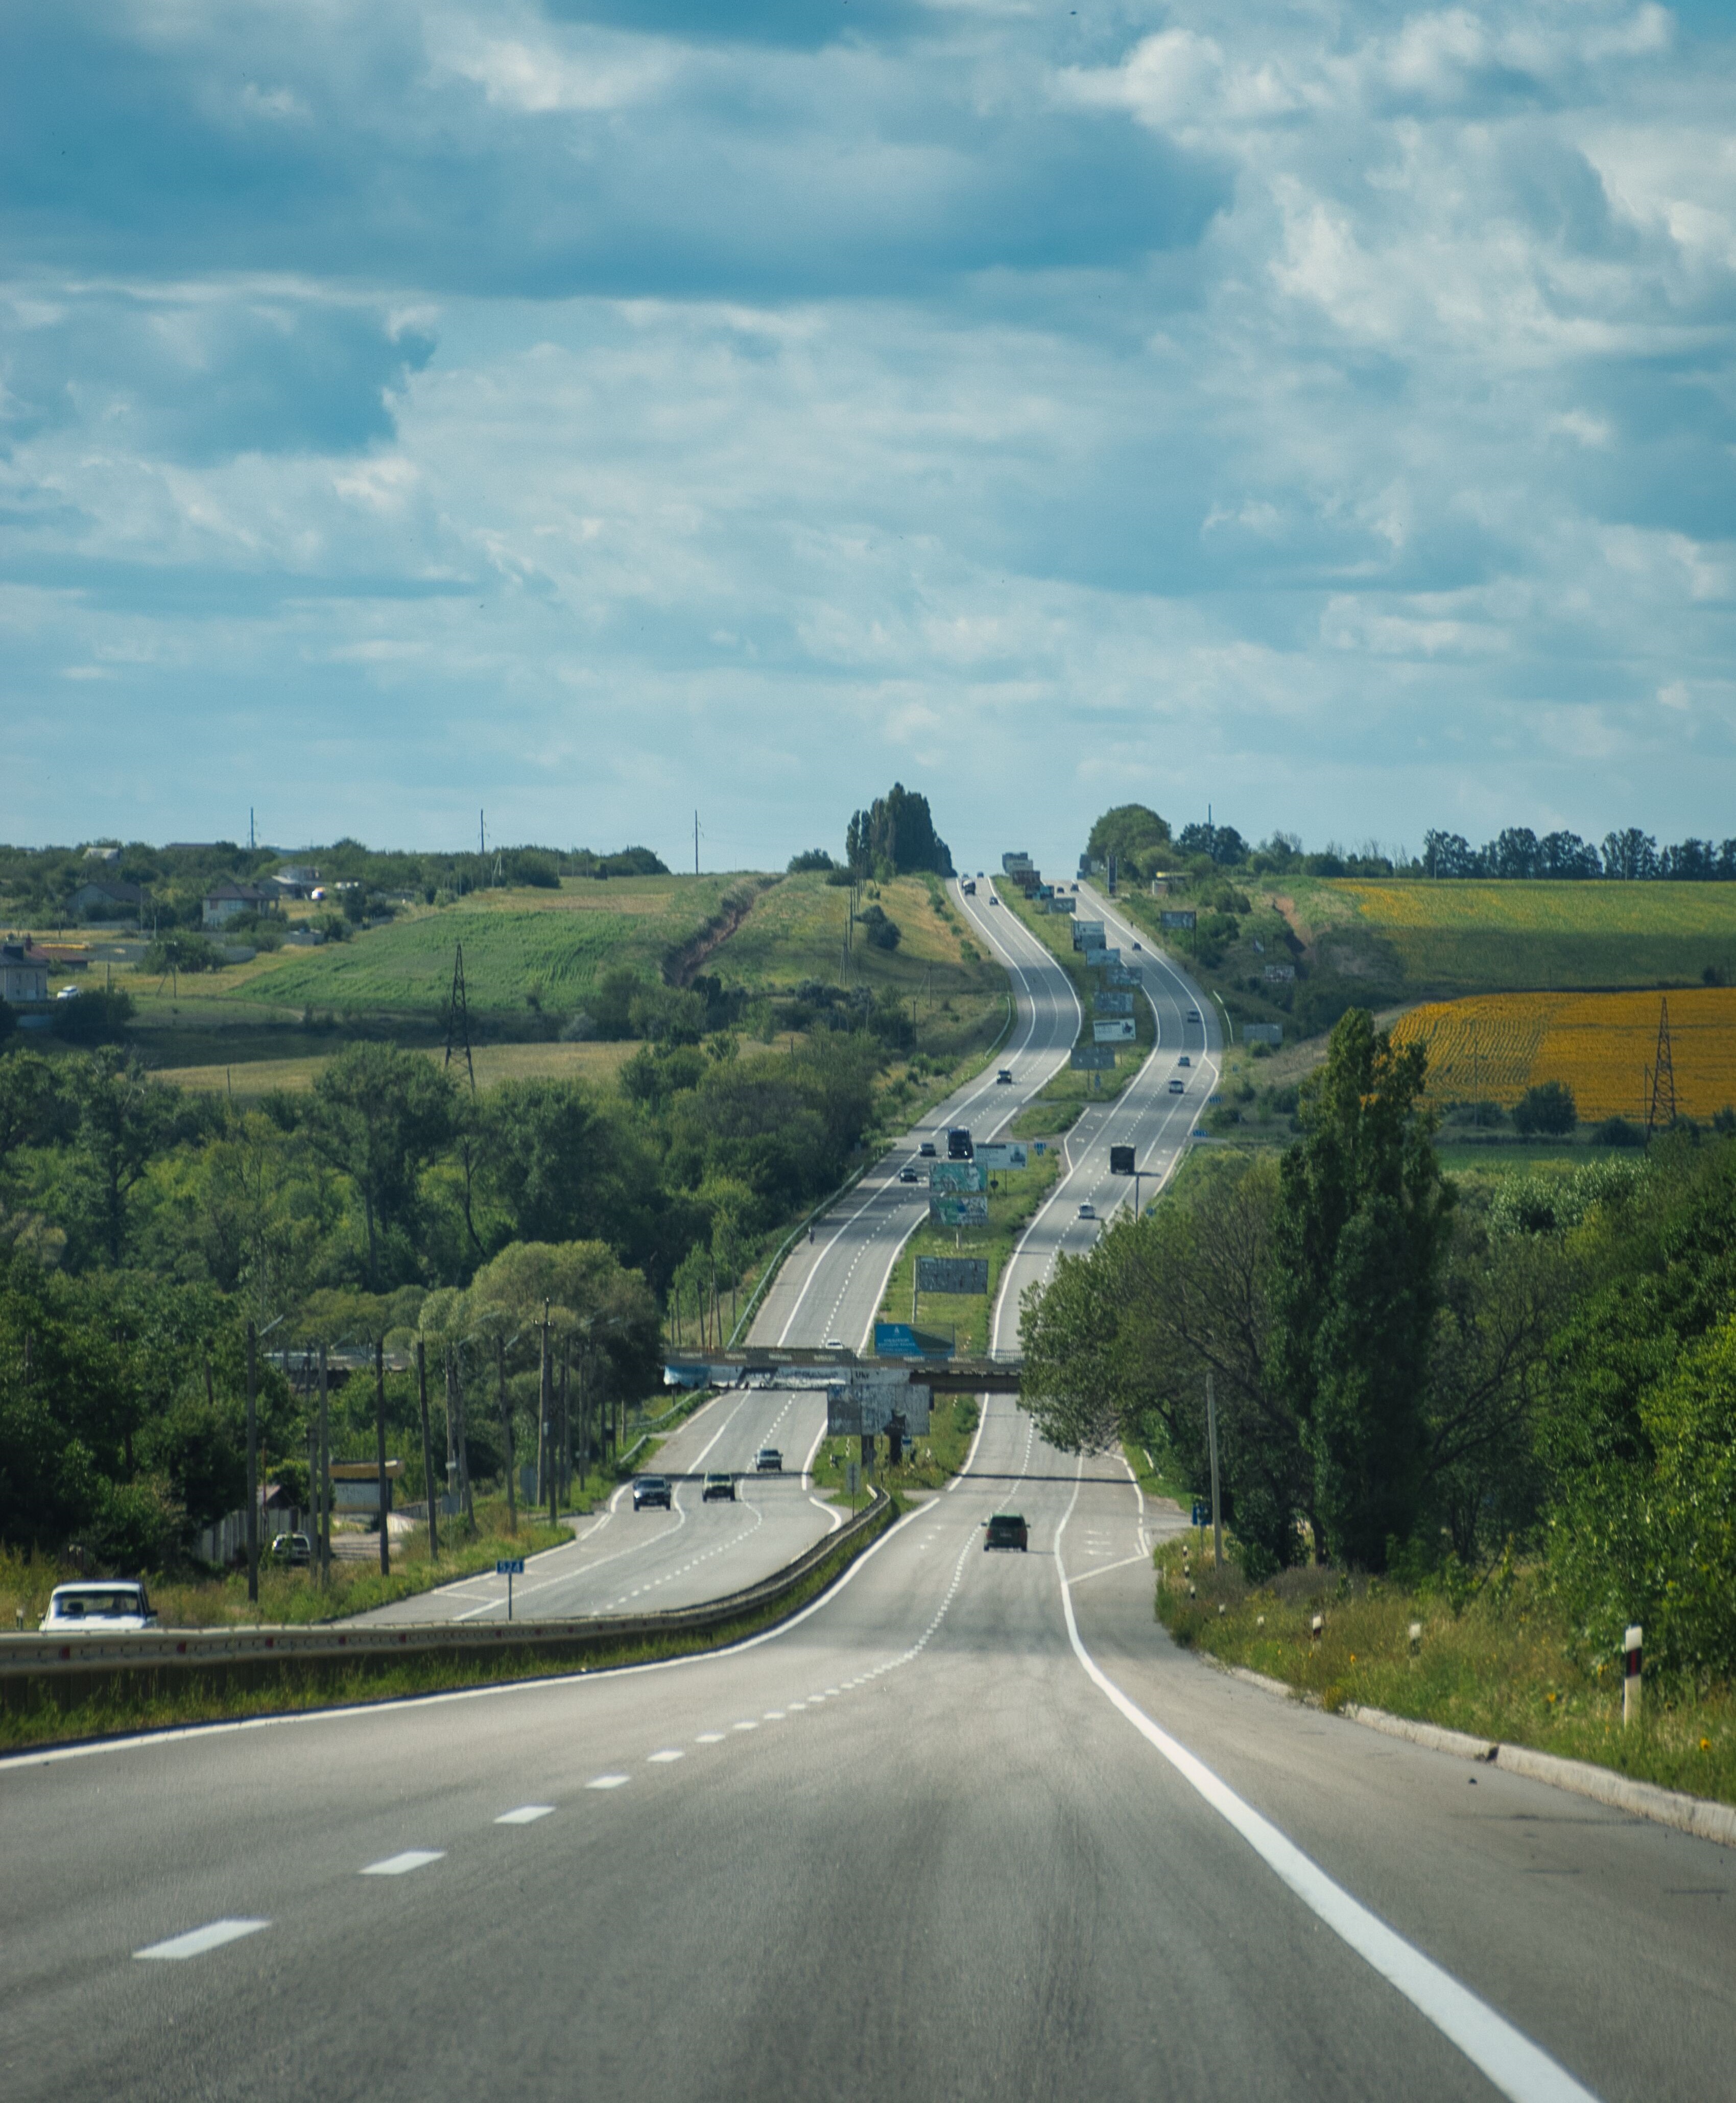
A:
[1011,864]
[1121,1161]
[1121,975]
[951,1274]
[1262,1033]
[1000,1154]
[1093,1059]
[1113,1031]
[1088,934]
[958,1208]
[1105,959]
[1176,917]
[958,1176]
[863,1405]
[904,1340]
[1059,904]
[1112,1003]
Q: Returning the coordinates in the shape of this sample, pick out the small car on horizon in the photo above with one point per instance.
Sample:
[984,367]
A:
[768,1461]
[1087,1210]
[925,1151]
[1184,1061]
[718,1487]
[1193,1014]
[653,1490]
[1178,1086]
[1007,1530]
[109,1606]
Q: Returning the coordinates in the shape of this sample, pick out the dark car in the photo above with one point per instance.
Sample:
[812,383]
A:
[959,1147]
[653,1490]
[1003,1079]
[294,1549]
[1008,1529]
[908,1174]
[719,1485]
[925,1151]
[769,1461]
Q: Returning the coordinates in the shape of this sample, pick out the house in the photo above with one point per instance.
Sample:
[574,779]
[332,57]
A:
[225,901]
[102,854]
[294,880]
[105,898]
[23,973]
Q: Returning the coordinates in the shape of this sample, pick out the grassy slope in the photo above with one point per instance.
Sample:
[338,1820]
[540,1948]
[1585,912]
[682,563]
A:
[1502,1667]
[1451,937]
[242,1077]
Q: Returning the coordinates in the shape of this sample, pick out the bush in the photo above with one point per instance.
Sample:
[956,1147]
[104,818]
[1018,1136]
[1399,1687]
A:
[1549,1107]
[183,953]
[882,931]
[813,859]
[1617,1132]
[95,1016]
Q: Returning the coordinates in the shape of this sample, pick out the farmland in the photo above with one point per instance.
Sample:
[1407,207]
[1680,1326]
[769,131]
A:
[1423,937]
[551,944]
[1494,1047]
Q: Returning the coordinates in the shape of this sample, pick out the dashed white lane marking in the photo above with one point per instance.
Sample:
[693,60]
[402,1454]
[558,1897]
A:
[710,1738]
[527,1814]
[198,1940]
[774,1716]
[607,1781]
[794,1706]
[401,1865]
[668,1754]
[749,1725]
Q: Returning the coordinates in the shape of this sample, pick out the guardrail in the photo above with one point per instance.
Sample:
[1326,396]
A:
[70,1667]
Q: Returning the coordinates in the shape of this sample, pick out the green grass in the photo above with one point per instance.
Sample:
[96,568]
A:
[928,1463]
[1502,1667]
[1022,1191]
[1061,1099]
[1473,937]
[291,1597]
[554,943]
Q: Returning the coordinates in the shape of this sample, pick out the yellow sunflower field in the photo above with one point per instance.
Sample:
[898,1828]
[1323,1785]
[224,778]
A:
[1493,1046]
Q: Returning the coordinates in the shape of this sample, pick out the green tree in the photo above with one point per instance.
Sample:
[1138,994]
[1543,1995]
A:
[1549,1107]
[380,1116]
[896,835]
[124,1118]
[1358,1240]
[1135,835]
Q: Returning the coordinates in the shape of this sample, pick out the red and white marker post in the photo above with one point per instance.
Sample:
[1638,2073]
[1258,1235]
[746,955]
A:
[1631,1676]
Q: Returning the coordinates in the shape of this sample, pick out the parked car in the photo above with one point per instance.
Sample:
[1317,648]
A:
[768,1460]
[1008,1529]
[1087,1210]
[925,1151]
[294,1549]
[719,1487]
[908,1174]
[109,1607]
[653,1490]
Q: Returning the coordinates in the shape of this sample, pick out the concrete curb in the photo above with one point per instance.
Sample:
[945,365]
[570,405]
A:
[1697,1815]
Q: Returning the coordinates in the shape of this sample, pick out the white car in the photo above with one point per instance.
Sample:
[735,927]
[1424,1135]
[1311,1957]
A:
[109,1607]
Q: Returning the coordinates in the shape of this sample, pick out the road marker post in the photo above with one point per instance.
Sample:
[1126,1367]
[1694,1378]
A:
[1631,1643]
[510,1567]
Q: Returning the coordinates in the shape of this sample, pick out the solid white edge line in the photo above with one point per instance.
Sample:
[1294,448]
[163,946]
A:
[54,1755]
[1504,2054]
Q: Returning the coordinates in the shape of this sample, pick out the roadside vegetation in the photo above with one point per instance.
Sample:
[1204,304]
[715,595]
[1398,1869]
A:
[928,1462]
[1016,1195]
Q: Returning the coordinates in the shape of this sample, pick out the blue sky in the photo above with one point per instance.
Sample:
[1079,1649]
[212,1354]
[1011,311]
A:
[595,410]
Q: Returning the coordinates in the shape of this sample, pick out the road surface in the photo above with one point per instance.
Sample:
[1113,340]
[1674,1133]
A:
[918,1843]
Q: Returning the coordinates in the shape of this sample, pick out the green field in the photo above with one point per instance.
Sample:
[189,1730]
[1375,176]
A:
[1468,937]
[553,944]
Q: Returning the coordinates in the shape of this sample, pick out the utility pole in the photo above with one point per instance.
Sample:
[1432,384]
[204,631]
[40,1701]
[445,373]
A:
[545,1396]
[482,838]
[385,1542]
[1211,1433]
[512,1486]
[252,1467]
[325,1474]
[429,1486]
[565,1446]
[696,844]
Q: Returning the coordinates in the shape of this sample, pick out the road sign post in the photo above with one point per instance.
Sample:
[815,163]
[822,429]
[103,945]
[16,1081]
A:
[509,1568]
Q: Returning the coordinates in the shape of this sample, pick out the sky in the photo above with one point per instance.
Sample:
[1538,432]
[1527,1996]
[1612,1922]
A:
[595,411]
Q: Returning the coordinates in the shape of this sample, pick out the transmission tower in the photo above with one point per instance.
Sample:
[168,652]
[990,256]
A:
[458,1015]
[1662,1111]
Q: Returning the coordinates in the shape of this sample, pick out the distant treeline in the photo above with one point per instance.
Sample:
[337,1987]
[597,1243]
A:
[38,881]
[1143,846]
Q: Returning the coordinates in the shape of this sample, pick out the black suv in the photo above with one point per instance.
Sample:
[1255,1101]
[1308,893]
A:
[959,1147]
[652,1490]
[1008,1529]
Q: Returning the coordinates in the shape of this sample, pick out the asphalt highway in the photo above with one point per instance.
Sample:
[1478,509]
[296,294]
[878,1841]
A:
[624,1561]
[968,1828]
[830,1291]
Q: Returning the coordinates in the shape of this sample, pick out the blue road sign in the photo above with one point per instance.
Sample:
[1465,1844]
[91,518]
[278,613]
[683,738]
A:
[515,1568]
[1199,1513]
